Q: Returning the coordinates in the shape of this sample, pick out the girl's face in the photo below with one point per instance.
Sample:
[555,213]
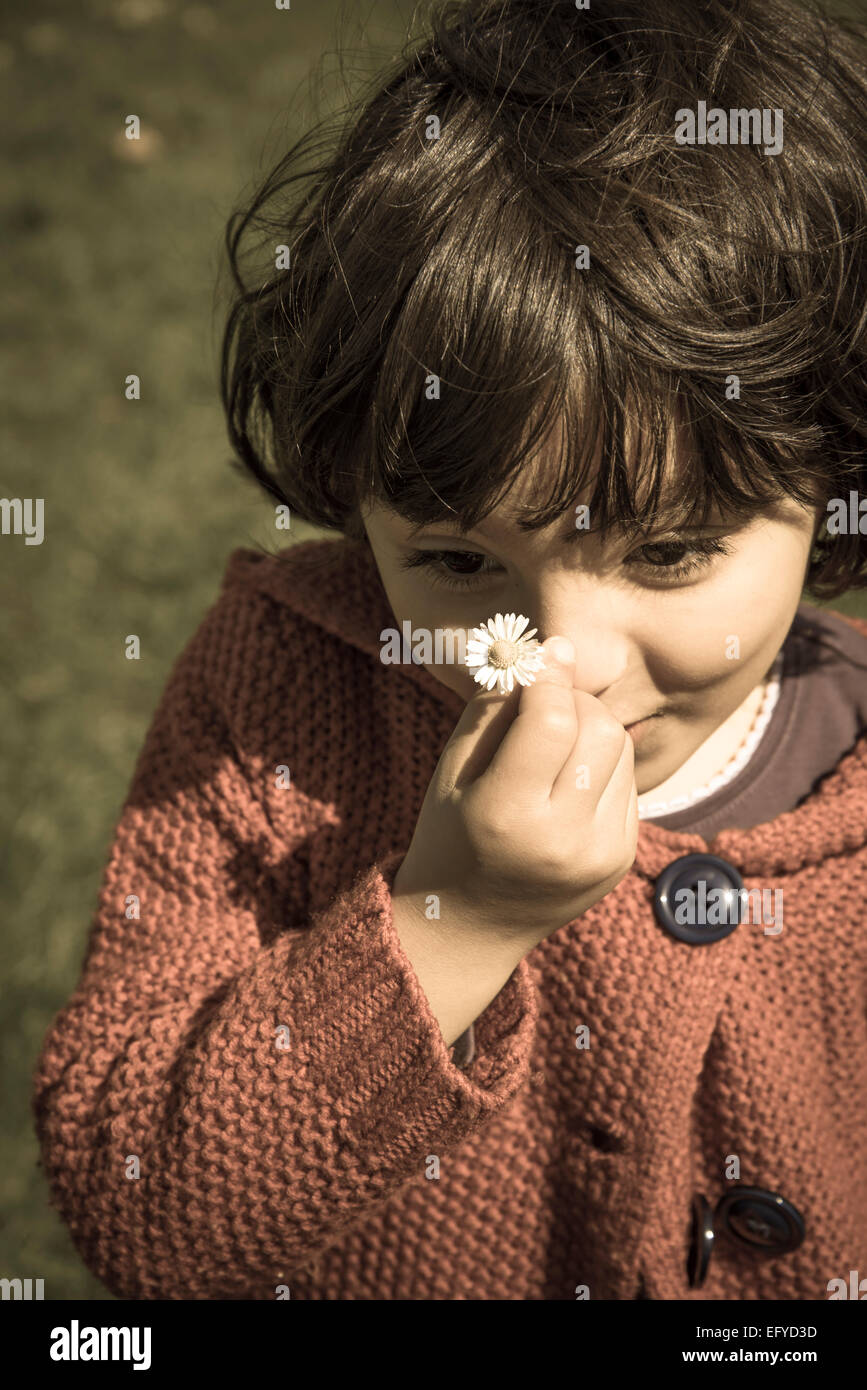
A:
[650,638]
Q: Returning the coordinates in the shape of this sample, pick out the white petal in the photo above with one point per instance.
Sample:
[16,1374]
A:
[500,626]
[520,624]
[493,681]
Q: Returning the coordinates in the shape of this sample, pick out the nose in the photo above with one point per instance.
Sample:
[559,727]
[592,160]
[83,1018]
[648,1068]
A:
[595,626]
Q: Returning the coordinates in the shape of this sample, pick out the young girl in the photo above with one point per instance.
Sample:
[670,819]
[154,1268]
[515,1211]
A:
[404,987]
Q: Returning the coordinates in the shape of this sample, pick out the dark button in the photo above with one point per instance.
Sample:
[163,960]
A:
[701,1245]
[706,916]
[760,1219]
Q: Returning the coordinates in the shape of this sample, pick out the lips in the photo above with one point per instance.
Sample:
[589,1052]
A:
[642,720]
[640,729]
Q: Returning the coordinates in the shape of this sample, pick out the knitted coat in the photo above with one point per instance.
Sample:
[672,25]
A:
[248,1096]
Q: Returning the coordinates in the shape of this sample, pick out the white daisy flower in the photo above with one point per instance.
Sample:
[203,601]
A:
[504,653]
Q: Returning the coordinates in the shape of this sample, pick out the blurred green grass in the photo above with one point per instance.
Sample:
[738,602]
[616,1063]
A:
[111,266]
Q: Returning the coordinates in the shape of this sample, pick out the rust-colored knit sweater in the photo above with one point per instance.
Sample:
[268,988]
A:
[248,1089]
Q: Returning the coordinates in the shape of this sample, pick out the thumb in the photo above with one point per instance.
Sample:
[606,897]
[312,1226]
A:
[559,657]
[488,715]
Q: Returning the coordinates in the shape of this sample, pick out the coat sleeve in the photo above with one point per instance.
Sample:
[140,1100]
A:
[221,1098]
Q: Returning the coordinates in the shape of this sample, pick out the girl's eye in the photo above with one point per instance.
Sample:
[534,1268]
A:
[463,569]
[702,552]
[462,576]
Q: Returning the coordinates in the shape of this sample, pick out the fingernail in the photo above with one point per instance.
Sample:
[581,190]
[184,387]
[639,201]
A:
[560,649]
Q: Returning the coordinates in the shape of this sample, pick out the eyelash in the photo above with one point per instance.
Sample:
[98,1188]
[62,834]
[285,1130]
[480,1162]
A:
[704,553]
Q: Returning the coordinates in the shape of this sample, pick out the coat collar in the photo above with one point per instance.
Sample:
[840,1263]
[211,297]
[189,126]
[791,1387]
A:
[335,584]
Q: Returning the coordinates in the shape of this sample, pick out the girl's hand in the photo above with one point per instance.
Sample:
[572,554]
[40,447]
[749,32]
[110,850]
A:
[531,815]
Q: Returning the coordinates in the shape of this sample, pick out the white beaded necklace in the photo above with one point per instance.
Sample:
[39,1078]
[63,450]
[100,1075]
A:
[738,760]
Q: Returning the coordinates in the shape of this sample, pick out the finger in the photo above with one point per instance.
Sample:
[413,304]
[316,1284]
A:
[476,737]
[600,745]
[542,735]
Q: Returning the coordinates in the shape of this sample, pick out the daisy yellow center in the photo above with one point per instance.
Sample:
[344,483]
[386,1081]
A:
[502,653]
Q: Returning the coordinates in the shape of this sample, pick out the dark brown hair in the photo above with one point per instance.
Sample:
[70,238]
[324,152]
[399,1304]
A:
[455,257]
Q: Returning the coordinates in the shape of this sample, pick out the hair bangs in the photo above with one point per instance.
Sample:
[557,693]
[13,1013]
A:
[592,410]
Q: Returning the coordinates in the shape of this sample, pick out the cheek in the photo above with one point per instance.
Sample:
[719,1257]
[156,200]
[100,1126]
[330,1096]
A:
[425,615]
[452,673]
[691,655]
[734,627]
